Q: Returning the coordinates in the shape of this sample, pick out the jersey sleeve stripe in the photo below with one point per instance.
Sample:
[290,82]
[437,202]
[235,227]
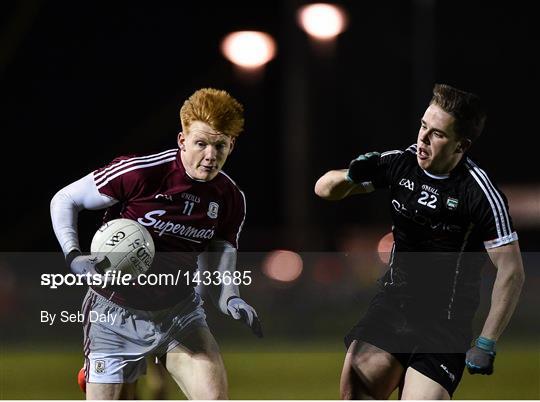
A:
[495,215]
[503,213]
[501,220]
[412,149]
[245,206]
[128,162]
[388,154]
[396,151]
[107,179]
[498,197]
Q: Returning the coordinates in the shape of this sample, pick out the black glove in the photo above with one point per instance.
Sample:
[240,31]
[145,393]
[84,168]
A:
[363,168]
[480,357]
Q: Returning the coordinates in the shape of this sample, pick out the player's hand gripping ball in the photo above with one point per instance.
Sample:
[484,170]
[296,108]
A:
[87,264]
[126,244]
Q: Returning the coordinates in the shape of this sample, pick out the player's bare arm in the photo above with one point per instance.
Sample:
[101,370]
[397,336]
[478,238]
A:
[338,184]
[334,186]
[504,297]
[506,289]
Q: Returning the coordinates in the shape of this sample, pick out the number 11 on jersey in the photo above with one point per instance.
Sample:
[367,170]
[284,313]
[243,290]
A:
[188,207]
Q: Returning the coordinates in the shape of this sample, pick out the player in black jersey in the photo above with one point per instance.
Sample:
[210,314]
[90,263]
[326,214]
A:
[448,217]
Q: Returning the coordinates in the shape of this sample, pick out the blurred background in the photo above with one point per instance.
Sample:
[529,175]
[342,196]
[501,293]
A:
[84,83]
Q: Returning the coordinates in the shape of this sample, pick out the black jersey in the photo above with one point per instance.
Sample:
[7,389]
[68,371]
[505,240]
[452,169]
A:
[442,226]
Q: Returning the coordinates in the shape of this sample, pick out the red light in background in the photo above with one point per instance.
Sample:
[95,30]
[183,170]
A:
[283,265]
[384,248]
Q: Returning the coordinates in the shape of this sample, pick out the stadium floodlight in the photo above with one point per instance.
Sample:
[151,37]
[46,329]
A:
[249,49]
[322,21]
[283,265]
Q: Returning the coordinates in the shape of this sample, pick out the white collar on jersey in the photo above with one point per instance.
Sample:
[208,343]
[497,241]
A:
[437,176]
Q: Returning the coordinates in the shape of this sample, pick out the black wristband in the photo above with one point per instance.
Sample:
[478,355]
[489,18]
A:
[232,297]
[71,256]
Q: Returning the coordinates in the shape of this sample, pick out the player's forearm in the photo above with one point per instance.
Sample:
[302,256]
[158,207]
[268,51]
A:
[221,257]
[66,205]
[504,298]
[64,216]
[334,186]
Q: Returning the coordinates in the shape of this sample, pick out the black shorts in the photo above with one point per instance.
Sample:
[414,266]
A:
[416,337]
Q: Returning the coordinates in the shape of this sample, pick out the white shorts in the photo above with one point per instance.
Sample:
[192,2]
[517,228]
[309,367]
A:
[118,339]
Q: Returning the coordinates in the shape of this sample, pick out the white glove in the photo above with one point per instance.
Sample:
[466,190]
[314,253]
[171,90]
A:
[81,264]
[240,310]
[90,264]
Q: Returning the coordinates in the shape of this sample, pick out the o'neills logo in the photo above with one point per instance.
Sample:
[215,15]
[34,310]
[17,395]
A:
[174,228]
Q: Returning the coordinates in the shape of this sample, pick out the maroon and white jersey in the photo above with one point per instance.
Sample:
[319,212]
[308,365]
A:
[182,214]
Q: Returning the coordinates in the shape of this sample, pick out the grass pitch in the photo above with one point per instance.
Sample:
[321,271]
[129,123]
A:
[265,372]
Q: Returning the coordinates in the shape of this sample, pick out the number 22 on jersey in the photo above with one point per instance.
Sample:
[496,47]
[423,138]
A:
[427,199]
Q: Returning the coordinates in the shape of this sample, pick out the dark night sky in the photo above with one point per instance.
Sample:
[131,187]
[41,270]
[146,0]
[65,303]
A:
[84,82]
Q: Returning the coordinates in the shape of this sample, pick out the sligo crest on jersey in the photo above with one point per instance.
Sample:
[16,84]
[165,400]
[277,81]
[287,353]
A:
[451,203]
[213,208]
